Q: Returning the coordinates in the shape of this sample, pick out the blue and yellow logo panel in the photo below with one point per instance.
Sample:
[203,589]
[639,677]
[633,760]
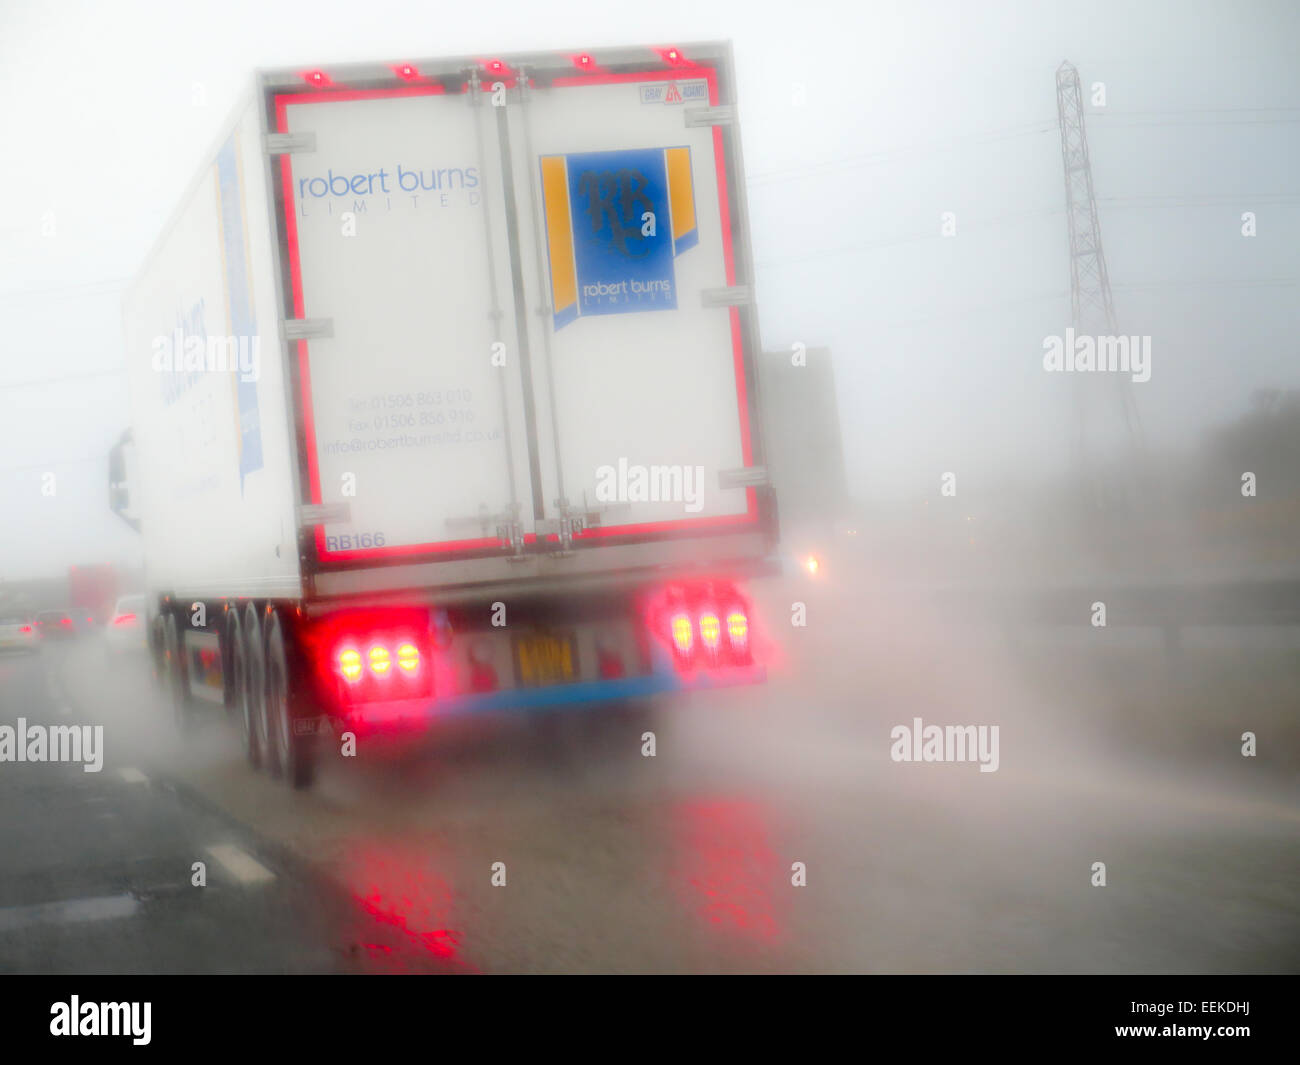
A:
[615,221]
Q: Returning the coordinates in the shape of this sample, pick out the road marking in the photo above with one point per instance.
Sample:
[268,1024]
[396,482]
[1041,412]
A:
[68,911]
[242,866]
[133,776]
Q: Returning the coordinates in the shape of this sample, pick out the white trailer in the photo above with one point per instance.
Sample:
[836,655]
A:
[443,385]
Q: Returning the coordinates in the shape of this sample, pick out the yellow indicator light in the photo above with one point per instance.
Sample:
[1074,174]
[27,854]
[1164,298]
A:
[408,657]
[710,629]
[682,633]
[350,664]
[737,627]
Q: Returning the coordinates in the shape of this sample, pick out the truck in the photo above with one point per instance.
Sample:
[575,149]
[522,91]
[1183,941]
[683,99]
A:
[805,452]
[92,589]
[444,398]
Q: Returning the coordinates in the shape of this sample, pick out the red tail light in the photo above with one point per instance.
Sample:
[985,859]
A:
[24,629]
[66,622]
[124,619]
[367,655]
[482,677]
[705,624]
[609,663]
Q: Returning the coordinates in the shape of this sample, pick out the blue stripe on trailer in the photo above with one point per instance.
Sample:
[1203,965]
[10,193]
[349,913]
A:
[528,700]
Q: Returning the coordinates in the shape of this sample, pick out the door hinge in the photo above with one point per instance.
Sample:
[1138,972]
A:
[730,296]
[505,526]
[744,477]
[288,143]
[308,328]
[324,513]
[724,115]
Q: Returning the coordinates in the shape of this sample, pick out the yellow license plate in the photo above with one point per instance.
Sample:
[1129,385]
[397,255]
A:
[545,658]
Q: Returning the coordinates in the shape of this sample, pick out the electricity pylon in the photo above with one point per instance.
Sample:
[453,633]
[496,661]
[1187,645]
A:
[1093,310]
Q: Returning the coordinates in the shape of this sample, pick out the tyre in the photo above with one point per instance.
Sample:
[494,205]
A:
[292,755]
[232,663]
[252,674]
[173,676]
[157,644]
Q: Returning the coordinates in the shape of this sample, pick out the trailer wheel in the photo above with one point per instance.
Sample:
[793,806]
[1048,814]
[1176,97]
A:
[250,666]
[174,676]
[293,755]
[232,663]
[157,644]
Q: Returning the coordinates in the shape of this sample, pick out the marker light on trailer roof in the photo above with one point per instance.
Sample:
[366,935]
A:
[673,56]
[318,78]
[407,72]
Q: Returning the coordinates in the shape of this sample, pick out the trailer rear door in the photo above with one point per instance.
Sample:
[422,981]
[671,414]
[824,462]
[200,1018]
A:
[631,251]
[402,284]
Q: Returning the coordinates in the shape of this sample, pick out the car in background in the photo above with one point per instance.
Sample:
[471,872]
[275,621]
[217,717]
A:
[126,630]
[17,633]
[63,624]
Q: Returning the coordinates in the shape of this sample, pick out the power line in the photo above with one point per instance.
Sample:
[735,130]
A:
[44,466]
[920,148]
[38,383]
[105,287]
[1191,116]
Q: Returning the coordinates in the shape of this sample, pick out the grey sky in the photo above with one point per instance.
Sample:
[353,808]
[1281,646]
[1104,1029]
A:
[861,122]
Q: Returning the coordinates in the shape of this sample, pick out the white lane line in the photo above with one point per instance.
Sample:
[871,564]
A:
[68,911]
[133,776]
[242,866]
